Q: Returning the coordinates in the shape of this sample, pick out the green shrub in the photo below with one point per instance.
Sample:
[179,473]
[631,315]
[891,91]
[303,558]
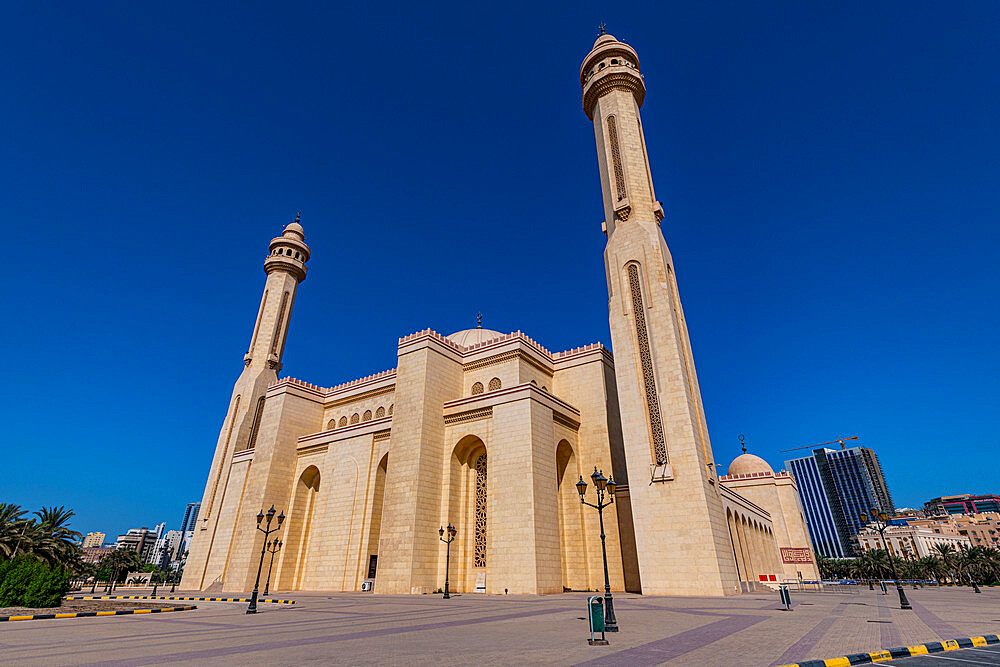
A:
[28,582]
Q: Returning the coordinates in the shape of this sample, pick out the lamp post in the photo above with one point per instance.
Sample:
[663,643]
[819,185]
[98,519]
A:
[274,547]
[602,485]
[447,554]
[881,522]
[267,530]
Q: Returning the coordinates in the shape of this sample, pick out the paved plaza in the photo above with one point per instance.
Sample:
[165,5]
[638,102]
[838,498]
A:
[378,629]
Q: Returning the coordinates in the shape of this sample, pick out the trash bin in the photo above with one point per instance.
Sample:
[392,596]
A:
[786,599]
[595,607]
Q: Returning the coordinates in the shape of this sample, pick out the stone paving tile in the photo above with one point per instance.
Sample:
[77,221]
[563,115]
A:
[380,629]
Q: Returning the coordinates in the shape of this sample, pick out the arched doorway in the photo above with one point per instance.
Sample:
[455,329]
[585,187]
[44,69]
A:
[468,510]
[375,527]
[294,561]
[572,536]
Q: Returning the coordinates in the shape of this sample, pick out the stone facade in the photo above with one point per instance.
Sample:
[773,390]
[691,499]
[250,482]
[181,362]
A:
[490,432]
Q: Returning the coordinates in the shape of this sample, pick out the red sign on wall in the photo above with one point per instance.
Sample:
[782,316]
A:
[795,555]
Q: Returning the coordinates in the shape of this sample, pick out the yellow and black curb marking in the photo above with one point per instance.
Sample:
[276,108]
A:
[901,652]
[150,597]
[87,614]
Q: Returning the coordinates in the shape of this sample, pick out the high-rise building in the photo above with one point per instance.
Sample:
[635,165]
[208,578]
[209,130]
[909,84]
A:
[188,523]
[95,539]
[836,487]
[963,504]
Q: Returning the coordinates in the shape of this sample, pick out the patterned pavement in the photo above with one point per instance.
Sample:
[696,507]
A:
[351,628]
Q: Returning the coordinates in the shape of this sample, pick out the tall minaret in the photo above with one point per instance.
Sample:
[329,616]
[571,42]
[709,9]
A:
[681,531]
[285,267]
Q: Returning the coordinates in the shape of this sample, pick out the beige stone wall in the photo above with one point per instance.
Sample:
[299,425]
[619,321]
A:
[778,496]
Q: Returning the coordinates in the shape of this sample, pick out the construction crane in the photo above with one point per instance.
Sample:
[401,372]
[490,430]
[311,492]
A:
[840,440]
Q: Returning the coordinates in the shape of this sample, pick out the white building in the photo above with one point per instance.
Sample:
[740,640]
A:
[906,541]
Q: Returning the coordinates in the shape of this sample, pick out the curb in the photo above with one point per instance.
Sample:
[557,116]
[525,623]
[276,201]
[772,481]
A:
[901,652]
[88,614]
[150,597]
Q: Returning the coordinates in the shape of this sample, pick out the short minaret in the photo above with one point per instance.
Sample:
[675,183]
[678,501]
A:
[285,267]
[682,537]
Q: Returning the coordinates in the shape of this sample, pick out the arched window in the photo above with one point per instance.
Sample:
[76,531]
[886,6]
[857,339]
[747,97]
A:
[477,388]
[380,412]
[332,424]
[494,384]
[355,418]
[255,428]
[342,422]
[367,417]
[390,410]
[479,555]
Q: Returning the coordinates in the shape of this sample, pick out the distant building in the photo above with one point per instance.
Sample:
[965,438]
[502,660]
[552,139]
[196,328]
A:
[95,554]
[140,540]
[963,504]
[188,523]
[172,540]
[910,541]
[94,540]
[836,487]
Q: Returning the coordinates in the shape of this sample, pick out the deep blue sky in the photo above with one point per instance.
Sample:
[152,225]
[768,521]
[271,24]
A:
[829,171]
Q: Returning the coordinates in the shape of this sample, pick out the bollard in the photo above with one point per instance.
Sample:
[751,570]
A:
[884,589]
[595,611]
[786,599]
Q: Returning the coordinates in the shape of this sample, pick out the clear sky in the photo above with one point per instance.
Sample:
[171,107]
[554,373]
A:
[829,172]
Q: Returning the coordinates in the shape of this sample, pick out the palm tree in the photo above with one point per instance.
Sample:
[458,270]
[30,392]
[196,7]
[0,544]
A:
[13,528]
[931,566]
[949,558]
[53,541]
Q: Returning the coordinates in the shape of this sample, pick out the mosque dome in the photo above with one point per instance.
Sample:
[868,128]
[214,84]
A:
[745,464]
[467,337]
[294,228]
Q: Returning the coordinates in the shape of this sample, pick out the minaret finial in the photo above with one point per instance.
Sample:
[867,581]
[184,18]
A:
[298,216]
[479,320]
[601,29]
[743,443]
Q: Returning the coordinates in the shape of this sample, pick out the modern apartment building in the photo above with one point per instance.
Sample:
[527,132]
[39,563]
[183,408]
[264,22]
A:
[836,487]
[94,539]
[962,504]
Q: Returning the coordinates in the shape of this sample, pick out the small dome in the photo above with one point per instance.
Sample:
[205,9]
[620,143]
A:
[467,337]
[744,464]
[603,39]
[294,229]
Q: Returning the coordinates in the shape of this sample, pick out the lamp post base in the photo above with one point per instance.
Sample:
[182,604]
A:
[610,622]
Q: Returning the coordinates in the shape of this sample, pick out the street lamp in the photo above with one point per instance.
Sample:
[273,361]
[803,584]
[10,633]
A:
[274,547]
[267,530]
[603,486]
[881,522]
[447,558]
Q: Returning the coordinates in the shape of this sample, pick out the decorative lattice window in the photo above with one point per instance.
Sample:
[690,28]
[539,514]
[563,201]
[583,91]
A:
[380,412]
[355,418]
[616,157]
[479,556]
[342,422]
[495,384]
[332,424]
[367,417]
[646,361]
[477,388]
[390,410]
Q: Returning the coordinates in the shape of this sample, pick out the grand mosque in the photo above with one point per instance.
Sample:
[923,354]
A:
[490,432]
